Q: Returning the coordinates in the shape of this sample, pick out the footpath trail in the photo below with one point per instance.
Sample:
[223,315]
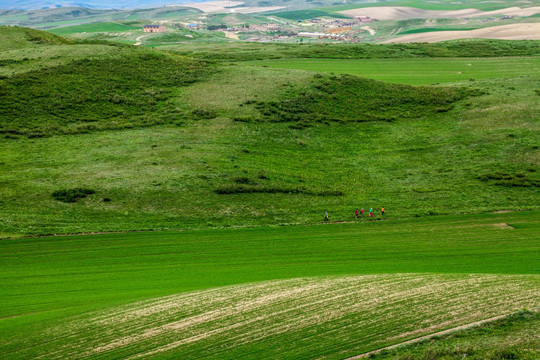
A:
[139,40]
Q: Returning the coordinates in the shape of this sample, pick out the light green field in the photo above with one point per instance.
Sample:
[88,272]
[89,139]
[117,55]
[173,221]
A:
[95,28]
[440,4]
[77,296]
[416,71]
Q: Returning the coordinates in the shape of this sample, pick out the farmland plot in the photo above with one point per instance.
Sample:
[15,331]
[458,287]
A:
[323,317]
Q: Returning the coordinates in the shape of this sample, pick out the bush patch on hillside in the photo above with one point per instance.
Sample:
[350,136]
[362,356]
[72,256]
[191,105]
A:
[72,195]
[510,180]
[252,189]
[89,95]
[348,98]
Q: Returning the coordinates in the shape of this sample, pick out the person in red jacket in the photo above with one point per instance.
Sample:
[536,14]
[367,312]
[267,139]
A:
[356,213]
[362,212]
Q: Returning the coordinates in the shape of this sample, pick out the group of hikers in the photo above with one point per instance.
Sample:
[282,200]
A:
[357,213]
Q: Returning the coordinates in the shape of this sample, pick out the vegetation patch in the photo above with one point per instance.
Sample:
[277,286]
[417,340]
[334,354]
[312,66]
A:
[512,337]
[349,98]
[88,95]
[242,187]
[72,195]
[509,179]
[448,49]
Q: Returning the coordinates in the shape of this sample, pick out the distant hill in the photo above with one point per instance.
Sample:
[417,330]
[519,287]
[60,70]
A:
[93,4]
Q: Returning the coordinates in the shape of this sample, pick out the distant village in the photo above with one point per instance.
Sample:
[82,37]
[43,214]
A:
[346,30]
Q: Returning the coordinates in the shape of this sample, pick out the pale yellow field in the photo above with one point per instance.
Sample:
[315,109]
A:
[335,317]
[402,13]
[504,32]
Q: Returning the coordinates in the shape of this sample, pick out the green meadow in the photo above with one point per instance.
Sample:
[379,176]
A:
[95,28]
[416,71]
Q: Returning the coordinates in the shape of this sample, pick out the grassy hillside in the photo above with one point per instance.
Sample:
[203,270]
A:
[100,137]
[81,292]
[16,38]
[441,4]
[96,27]
[509,338]
[416,71]
[449,49]
[89,95]
[241,145]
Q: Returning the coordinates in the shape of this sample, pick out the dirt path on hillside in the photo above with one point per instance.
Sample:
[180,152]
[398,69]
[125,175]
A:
[370,30]
[139,40]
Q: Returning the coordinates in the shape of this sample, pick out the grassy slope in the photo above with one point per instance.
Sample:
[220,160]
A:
[95,27]
[239,51]
[65,276]
[107,93]
[166,177]
[416,71]
[509,338]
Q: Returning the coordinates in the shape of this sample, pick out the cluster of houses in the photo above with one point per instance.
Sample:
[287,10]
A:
[324,28]
[154,28]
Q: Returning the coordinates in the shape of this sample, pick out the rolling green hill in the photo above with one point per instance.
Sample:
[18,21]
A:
[214,172]
[244,145]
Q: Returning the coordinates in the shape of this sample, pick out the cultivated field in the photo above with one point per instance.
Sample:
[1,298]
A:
[403,13]
[132,295]
[503,32]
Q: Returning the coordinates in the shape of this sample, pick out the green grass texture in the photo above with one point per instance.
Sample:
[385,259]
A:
[416,71]
[95,28]
[72,276]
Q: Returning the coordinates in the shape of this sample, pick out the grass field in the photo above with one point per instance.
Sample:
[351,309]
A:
[95,28]
[509,338]
[416,71]
[439,5]
[75,287]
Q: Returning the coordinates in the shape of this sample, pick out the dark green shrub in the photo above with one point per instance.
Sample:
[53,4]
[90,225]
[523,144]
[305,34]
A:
[72,195]
[247,189]
[348,98]
[510,354]
[509,180]
[242,180]
[261,175]
[204,114]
